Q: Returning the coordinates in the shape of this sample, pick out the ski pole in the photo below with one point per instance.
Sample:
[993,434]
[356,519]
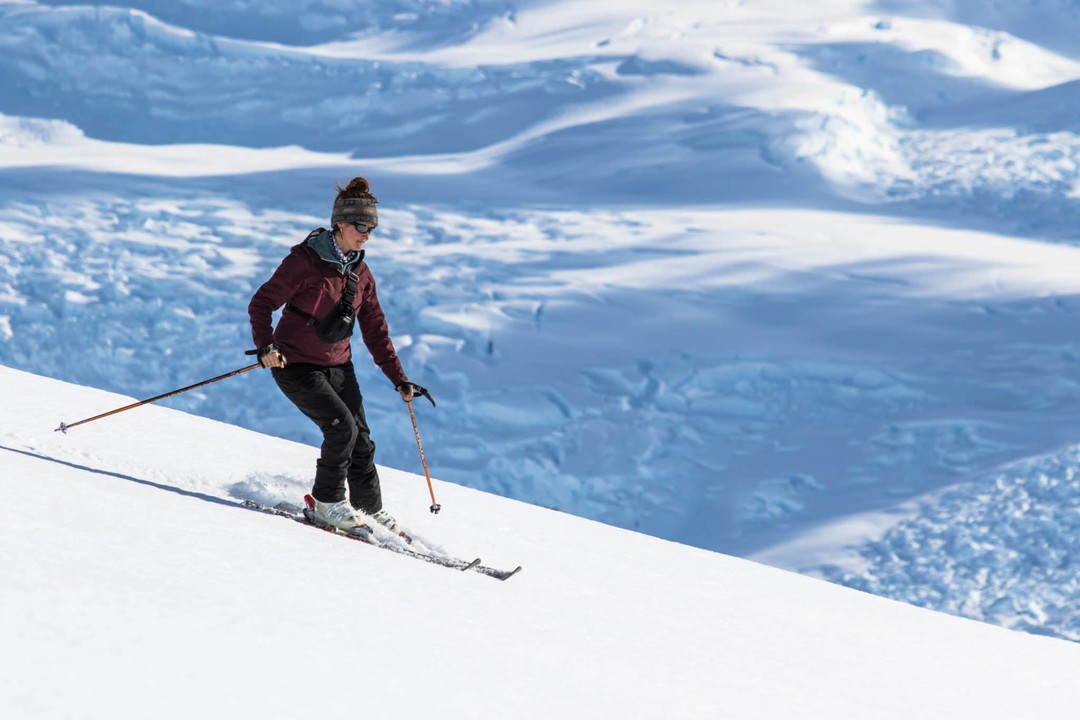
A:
[64,427]
[435,507]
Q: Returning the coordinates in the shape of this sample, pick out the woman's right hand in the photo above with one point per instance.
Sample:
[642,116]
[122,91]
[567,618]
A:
[271,357]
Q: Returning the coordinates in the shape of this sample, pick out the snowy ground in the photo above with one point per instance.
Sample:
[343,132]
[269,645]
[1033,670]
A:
[792,282]
[135,586]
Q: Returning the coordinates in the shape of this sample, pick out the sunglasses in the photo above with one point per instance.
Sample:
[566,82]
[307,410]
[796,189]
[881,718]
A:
[362,228]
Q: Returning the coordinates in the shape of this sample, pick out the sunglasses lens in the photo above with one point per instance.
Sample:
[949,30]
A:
[362,228]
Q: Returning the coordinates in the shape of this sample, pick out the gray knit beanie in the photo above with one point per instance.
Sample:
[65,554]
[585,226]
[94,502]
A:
[353,210]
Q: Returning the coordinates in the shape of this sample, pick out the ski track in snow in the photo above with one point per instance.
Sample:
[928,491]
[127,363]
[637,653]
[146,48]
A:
[834,274]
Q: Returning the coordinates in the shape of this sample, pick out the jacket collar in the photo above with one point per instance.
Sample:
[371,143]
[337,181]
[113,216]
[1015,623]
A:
[326,247]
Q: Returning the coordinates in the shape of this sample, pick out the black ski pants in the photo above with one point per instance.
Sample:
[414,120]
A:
[330,397]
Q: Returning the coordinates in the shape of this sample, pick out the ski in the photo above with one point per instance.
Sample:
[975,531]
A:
[496,573]
[366,534]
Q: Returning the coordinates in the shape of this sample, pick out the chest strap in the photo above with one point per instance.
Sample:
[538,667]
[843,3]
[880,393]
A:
[348,298]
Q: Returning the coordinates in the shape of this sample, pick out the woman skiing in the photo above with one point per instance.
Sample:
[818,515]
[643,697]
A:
[325,287]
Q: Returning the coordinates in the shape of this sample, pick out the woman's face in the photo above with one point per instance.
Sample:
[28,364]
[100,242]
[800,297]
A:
[350,238]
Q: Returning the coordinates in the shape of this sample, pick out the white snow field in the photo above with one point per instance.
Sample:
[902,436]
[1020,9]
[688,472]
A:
[795,282]
[134,586]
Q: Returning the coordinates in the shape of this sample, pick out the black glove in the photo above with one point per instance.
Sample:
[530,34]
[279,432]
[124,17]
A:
[417,390]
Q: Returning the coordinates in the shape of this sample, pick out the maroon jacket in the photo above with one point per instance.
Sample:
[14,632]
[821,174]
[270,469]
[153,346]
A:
[315,285]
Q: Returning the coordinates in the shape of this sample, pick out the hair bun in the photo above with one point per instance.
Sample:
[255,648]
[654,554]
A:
[357,189]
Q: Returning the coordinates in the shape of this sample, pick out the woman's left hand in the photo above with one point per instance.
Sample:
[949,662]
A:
[406,391]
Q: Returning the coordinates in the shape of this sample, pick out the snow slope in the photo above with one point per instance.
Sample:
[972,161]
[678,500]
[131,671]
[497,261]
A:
[791,281]
[134,586]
